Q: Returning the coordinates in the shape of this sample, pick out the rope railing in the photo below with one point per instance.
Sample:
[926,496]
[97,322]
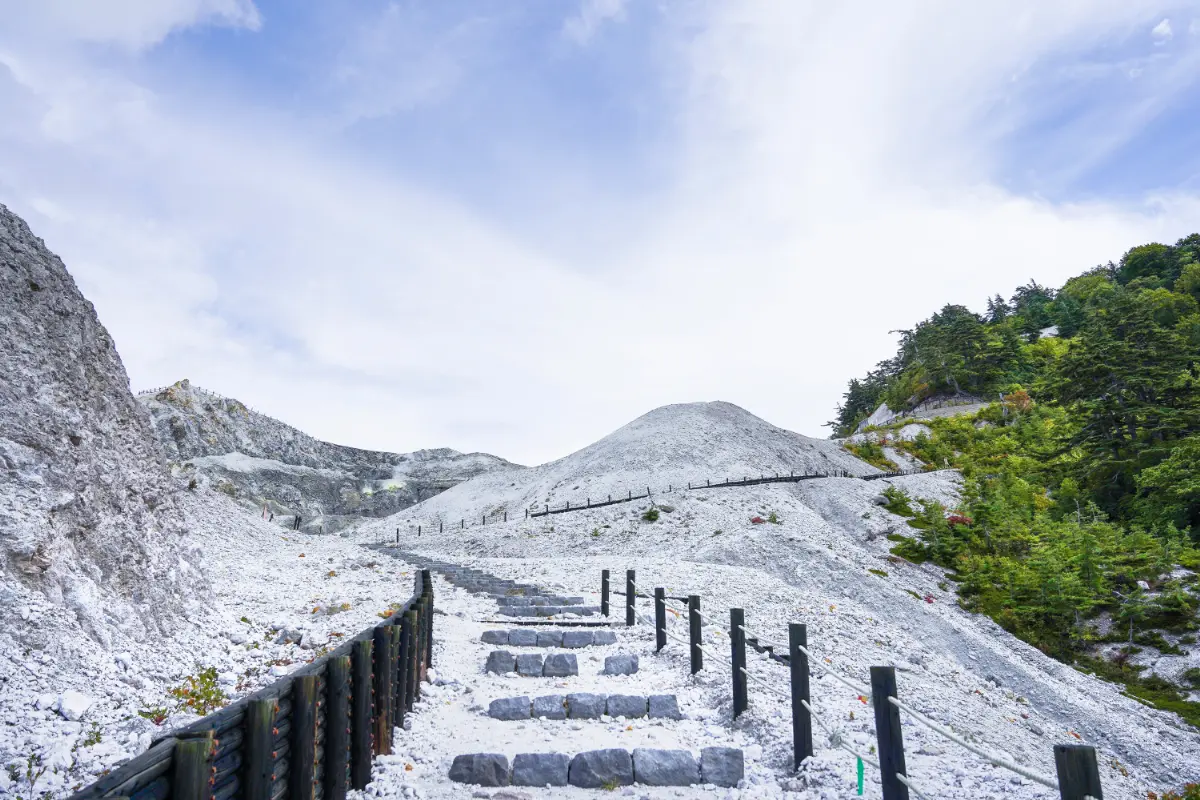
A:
[1076,765]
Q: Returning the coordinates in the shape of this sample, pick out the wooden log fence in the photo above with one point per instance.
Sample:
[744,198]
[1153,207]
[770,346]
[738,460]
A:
[1077,775]
[311,735]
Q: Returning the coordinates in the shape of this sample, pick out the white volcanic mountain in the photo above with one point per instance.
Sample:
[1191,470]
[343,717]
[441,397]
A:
[87,519]
[263,462]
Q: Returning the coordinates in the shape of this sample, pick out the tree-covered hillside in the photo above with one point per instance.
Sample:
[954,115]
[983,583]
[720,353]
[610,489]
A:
[1082,485]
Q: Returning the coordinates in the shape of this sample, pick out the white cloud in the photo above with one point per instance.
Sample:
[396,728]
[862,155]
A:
[133,24]
[591,16]
[1162,31]
[833,179]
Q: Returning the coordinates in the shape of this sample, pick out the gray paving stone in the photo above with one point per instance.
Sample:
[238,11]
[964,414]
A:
[500,662]
[722,766]
[603,637]
[629,706]
[509,708]
[601,768]
[522,637]
[540,769]
[664,706]
[529,665]
[560,665]
[539,601]
[549,639]
[654,767]
[494,637]
[571,601]
[547,611]
[585,705]
[577,638]
[550,706]
[622,664]
[484,769]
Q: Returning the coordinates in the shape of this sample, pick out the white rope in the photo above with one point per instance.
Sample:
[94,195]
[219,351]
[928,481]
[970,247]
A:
[812,660]
[904,779]
[990,757]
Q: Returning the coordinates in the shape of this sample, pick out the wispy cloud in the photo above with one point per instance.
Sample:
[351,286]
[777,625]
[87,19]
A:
[828,175]
[133,24]
[591,16]
[1162,31]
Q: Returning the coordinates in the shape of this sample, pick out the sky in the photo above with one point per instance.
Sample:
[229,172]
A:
[512,227]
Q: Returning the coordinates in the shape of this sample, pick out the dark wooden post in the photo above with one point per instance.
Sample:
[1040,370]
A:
[694,632]
[802,745]
[737,640]
[395,695]
[441,526]
[191,766]
[360,716]
[604,577]
[258,762]
[402,648]
[427,590]
[660,618]
[337,730]
[381,648]
[630,594]
[1078,773]
[302,758]
[410,691]
[888,733]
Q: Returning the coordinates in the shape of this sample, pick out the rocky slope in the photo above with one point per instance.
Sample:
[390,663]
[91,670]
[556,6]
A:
[262,462]
[88,527]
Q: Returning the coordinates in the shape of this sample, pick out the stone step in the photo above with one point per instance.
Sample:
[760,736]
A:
[547,611]
[532,665]
[527,637]
[603,769]
[585,705]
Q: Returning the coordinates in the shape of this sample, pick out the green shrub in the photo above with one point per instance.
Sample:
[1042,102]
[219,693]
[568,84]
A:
[773,518]
[1191,676]
[880,572]
[651,514]
[898,502]
[199,693]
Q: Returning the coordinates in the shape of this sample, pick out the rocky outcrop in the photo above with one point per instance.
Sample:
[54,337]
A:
[263,462]
[87,520]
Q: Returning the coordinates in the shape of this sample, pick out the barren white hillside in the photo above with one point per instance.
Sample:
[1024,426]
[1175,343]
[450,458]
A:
[826,562]
[669,446]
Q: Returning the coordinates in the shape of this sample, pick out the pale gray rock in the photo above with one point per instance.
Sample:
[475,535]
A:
[602,637]
[549,639]
[576,639]
[665,767]
[88,517]
[494,637]
[540,769]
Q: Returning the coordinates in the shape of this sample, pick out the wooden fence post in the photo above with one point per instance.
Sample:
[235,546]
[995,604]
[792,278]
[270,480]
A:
[694,632]
[360,716]
[381,648]
[337,732]
[802,745]
[402,645]
[630,594]
[737,640]
[410,691]
[604,577]
[395,696]
[660,618]
[888,733]
[427,590]
[191,778]
[257,762]
[302,757]
[1078,773]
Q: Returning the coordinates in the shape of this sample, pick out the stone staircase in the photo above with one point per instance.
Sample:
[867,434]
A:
[528,604]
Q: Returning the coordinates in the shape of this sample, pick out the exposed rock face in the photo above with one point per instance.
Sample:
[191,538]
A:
[264,462]
[87,520]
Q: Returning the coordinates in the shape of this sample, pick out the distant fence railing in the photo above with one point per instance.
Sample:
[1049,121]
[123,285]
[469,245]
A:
[1077,778]
[501,516]
[309,736]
